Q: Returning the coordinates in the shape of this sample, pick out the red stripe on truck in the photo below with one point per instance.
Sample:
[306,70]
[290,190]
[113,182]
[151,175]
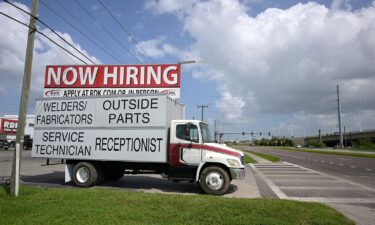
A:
[174,151]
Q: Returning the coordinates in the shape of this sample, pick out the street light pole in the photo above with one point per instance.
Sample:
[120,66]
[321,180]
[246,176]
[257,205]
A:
[339,116]
[187,62]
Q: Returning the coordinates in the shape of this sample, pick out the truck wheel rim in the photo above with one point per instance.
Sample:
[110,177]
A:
[83,174]
[214,180]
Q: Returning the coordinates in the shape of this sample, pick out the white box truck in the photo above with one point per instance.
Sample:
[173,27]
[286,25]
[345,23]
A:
[102,137]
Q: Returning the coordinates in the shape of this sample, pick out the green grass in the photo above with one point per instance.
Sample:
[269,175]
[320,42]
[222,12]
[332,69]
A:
[268,157]
[103,206]
[248,159]
[329,152]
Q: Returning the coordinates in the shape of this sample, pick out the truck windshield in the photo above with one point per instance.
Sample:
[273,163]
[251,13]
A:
[206,135]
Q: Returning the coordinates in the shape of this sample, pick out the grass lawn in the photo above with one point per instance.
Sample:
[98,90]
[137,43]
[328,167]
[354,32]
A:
[271,158]
[248,159]
[103,206]
[329,152]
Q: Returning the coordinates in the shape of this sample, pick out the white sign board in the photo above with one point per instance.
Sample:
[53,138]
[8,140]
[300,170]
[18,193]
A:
[131,111]
[102,144]
[118,128]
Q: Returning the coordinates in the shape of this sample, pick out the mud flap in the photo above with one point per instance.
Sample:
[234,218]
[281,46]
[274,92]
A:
[68,172]
[198,171]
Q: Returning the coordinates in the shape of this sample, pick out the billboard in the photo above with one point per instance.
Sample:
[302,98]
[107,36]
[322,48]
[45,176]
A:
[90,80]
[119,128]
[8,126]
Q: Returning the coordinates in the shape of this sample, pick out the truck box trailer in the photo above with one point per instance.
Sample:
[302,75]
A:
[102,137]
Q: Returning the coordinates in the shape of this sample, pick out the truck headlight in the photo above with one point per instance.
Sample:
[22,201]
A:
[233,162]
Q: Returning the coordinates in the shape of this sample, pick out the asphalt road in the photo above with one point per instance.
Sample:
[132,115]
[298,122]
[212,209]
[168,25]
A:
[357,169]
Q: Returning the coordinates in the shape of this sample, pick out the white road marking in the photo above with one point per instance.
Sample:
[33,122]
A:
[334,200]
[353,166]
[313,181]
[369,169]
[318,188]
[322,161]
[345,159]
[278,189]
[340,164]
[331,163]
[270,184]
[340,179]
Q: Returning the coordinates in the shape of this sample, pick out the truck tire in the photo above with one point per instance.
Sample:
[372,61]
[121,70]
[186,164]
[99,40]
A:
[214,180]
[85,174]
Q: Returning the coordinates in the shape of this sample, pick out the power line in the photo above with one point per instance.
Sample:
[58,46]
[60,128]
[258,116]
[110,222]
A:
[58,35]
[45,36]
[82,33]
[109,33]
[132,38]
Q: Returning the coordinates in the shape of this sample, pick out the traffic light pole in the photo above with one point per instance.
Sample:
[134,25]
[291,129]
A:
[14,188]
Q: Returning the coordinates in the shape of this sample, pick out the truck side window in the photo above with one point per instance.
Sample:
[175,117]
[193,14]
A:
[181,132]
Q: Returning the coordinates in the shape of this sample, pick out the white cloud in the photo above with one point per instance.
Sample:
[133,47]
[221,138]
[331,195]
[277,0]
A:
[235,105]
[284,61]
[169,6]
[338,4]
[12,56]
[158,48]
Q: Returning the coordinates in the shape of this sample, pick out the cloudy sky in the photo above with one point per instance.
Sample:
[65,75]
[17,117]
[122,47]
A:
[263,65]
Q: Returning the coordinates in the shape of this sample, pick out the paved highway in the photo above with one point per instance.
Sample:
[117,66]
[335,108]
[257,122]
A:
[357,169]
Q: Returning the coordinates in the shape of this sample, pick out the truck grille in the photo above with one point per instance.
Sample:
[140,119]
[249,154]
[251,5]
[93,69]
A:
[242,160]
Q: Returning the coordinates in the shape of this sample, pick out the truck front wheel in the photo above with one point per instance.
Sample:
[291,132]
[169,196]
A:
[214,180]
[85,174]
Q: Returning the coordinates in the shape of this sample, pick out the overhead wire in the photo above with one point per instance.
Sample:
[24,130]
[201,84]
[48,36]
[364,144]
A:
[132,38]
[44,24]
[107,31]
[44,35]
[82,33]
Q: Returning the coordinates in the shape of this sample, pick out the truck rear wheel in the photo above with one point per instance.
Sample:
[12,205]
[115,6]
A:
[214,180]
[85,174]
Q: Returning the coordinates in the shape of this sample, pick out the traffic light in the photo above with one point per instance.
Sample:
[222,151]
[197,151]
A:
[243,133]
[252,133]
[260,133]
[269,133]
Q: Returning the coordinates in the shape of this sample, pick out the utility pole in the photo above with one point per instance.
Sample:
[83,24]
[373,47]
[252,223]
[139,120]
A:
[24,100]
[339,115]
[345,136]
[202,106]
[320,137]
[215,130]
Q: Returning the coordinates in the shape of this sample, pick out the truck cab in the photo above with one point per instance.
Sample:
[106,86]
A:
[194,151]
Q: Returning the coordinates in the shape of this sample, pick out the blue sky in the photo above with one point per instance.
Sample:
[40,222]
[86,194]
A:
[262,65]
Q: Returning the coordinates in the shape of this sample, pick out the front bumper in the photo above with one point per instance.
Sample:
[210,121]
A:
[237,173]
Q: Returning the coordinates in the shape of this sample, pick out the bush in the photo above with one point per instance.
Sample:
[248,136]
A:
[365,144]
[316,144]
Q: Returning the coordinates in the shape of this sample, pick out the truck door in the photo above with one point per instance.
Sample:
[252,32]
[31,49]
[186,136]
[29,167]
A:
[190,151]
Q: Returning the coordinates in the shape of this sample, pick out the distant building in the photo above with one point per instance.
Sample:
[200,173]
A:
[9,126]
